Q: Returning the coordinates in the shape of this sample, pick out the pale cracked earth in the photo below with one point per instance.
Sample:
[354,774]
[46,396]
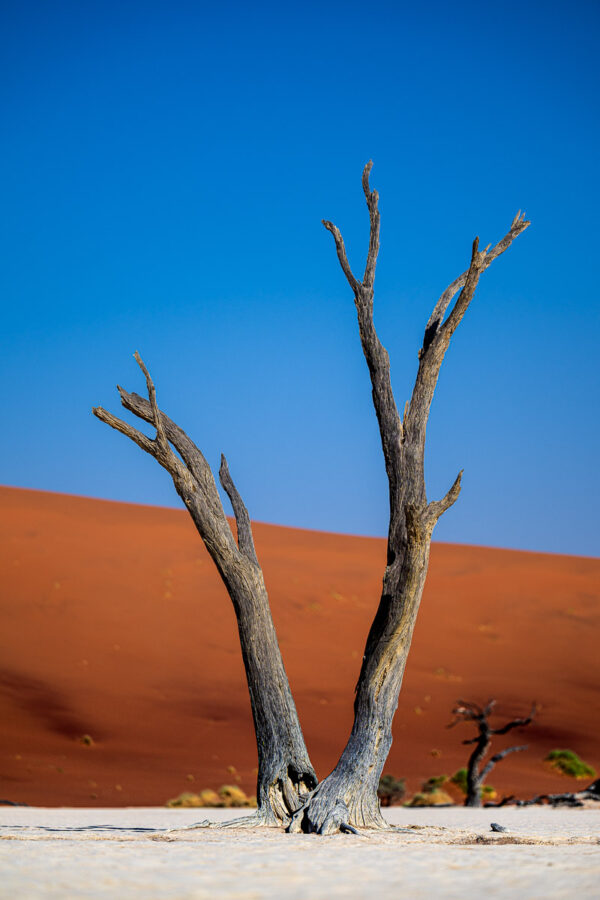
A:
[447,853]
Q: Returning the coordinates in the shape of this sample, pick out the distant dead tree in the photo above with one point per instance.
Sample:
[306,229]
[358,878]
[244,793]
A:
[577,798]
[477,773]
[287,790]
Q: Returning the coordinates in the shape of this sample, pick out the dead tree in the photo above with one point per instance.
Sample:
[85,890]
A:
[287,785]
[349,793]
[285,773]
[476,772]
[577,798]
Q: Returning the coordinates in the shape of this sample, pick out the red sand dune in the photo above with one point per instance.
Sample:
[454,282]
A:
[116,625]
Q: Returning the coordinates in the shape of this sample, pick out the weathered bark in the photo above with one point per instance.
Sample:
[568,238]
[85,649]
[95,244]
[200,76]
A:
[285,773]
[476,773]
[348,796]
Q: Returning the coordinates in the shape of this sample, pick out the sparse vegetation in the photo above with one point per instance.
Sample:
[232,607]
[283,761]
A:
[232,795]
[432,793]
[436,797]
[460,780]
[434,783]
[568,763]
[391,790]
[229,795]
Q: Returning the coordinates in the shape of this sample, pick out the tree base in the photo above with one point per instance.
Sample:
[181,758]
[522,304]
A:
[338,805]
[262,818]
[280,796]
[259,819]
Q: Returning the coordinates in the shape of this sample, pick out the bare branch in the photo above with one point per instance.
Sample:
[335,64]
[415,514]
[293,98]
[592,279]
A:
[516,723]
[244,528]
[161,438]
[430,361]
[341,252]
[438,507]
[136,436]
[519,224]
[489,707]
[466,295]
[192,477]
[497,757]
[390,426]
[372,198]
[467,709]
[162,451]
[167,459]
[190,453]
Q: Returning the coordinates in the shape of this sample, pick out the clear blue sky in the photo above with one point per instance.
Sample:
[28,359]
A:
[165,168]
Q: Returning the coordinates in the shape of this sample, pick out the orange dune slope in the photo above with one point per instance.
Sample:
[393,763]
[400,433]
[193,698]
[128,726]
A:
[116,626]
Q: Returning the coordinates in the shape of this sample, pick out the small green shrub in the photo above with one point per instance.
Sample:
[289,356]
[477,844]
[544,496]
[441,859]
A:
[391,790]
[460,779]
[568,763]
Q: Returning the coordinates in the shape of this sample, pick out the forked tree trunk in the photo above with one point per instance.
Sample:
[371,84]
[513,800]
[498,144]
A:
[348,796]
[285,773]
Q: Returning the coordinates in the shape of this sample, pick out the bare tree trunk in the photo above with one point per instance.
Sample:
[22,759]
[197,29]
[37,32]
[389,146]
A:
[285,773]
[474,778]
[348,796]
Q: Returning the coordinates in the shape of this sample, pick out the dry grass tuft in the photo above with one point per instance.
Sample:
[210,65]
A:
[229,795]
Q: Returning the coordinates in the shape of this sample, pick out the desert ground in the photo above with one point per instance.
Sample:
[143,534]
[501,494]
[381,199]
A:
[116,626]
[444,853]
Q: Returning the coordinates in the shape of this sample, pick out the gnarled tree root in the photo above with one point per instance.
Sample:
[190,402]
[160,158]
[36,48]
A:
[259,819]
[335,806]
